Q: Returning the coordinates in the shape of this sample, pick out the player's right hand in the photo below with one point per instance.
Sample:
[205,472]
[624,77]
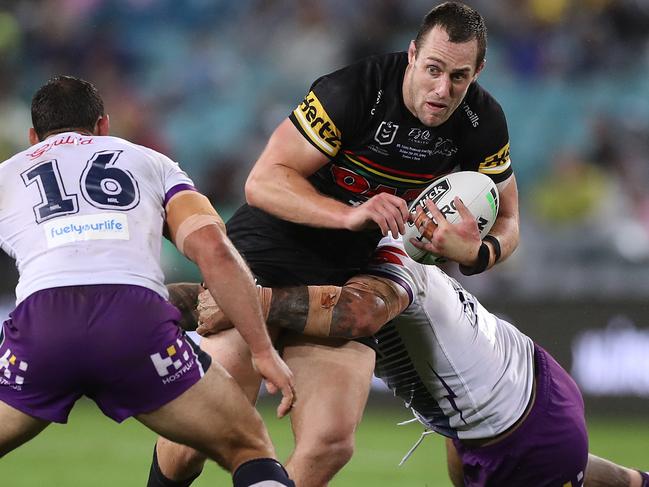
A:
[211,318]
[278,377]
[387,211]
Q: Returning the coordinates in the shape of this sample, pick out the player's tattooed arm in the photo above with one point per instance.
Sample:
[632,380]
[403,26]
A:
[358,309]
[184,296]
[290,309]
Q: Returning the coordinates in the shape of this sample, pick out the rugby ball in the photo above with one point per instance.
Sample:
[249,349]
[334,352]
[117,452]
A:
[476,190]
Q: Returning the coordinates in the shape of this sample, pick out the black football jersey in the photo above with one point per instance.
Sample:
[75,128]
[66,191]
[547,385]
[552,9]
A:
[356,116]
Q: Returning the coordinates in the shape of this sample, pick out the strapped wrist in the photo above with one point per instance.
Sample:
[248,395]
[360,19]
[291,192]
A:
[481,264]
[496,245]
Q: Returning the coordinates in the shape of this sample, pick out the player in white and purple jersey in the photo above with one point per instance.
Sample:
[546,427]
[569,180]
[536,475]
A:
[82,213]
[511,414]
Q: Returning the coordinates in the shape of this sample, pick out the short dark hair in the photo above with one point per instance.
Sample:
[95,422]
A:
[461,23]
[65,102]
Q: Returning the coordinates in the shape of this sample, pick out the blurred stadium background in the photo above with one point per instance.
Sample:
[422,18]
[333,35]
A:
[206,81]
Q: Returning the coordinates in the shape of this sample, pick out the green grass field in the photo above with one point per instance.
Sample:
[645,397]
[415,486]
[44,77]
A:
[91,450]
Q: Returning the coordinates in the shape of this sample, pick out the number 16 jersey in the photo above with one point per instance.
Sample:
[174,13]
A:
[80,209]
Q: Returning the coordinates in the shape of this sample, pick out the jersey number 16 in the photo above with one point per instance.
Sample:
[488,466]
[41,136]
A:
[102,185]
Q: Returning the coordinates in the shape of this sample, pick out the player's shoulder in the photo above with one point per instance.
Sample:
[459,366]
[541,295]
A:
[7,164]
[112,140]
[367,73]
[480,107]
[142,152]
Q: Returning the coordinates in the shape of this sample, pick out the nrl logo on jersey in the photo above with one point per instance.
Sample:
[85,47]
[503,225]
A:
[386,132]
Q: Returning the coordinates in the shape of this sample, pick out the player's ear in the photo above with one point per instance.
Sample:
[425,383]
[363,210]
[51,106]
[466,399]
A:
[479,70]
[102,127]
[33,137]
[412,52]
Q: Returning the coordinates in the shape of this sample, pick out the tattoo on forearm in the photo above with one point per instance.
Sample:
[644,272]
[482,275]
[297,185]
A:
[184,296]
[343,320]
[289,308]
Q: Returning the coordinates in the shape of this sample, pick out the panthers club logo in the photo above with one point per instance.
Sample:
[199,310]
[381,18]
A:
[386,132]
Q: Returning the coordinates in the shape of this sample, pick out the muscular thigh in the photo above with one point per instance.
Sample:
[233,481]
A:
[16,428]
[230,350]
[213,416]
[332,379]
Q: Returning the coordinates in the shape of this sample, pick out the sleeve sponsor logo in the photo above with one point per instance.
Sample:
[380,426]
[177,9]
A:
[101,226]
[318,125]
[496,163]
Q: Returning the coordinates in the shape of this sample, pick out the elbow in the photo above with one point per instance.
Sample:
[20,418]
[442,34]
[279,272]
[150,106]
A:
[250,189]
[366,320]
[366,326]
[255,187]
[208,247]
[359,313]
[363,329]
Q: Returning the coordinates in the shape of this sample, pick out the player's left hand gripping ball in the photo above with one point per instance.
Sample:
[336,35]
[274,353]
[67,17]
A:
[476,190]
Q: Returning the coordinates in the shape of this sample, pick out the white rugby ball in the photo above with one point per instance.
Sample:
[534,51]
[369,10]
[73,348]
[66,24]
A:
[478,193]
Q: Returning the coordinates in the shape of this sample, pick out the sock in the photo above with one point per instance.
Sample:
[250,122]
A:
[645,478]
[262,472]
[158,479]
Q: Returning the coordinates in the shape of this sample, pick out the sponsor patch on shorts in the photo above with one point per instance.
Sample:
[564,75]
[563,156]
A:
[12,370]
[174,362]
[102,226]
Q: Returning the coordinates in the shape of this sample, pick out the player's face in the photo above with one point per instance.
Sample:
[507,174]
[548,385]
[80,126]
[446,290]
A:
[438,76]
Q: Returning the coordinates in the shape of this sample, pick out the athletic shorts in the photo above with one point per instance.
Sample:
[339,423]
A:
[550,448]
[282,253]
[116,344]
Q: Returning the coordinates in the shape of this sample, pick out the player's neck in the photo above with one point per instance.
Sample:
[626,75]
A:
[68,129]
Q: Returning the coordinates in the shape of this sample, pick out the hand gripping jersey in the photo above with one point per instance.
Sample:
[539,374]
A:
[77,209]
[465,372]
[356,116]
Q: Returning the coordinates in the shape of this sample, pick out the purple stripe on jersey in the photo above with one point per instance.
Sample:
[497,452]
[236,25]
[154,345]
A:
[177,189]
[401,282]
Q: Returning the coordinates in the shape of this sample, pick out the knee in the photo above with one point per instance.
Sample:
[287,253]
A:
[332,448]
[240,444]
[189,460]
[177,461]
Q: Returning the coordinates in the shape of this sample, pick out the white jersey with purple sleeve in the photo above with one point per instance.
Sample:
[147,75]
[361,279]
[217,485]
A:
[464,372]
[80,209]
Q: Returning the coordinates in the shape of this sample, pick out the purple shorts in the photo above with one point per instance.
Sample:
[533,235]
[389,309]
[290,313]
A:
[550,448]
[119,345]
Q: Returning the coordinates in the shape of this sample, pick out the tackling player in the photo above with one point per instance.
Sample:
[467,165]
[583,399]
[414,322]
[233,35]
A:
[83,213]
[336,175]
[511,414]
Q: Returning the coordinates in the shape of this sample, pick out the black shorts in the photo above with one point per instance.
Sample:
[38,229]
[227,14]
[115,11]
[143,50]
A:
[282,253]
